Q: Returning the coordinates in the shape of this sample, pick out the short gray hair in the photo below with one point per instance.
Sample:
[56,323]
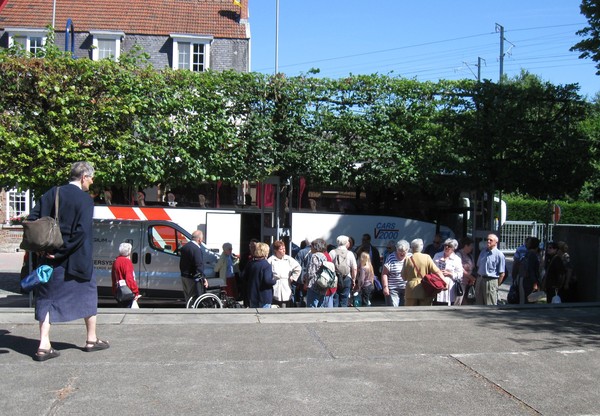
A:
[416,245]
[451,242]
[402,245]
[81,169]
[125,249]
[342,240]
[227,246]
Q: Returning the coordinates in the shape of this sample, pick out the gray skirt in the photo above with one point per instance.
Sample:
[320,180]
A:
[66,298]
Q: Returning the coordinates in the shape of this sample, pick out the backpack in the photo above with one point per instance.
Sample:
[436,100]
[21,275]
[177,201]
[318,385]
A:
[326,277]
[341,263]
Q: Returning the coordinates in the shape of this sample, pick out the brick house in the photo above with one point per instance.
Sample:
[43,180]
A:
[180,34]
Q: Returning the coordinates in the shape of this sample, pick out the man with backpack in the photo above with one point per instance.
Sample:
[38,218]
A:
[345,269]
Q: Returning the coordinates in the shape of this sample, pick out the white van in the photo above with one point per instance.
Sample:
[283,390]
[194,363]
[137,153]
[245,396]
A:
[155,256]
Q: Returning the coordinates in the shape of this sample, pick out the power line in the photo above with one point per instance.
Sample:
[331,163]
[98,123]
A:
[537,50]
[405,47]
[381,51]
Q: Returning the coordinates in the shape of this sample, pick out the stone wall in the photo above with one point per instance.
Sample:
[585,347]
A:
[10,238]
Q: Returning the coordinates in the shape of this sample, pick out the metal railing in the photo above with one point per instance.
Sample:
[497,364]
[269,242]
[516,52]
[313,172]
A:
[514,233]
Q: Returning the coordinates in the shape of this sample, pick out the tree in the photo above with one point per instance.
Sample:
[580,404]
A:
[526,137]
[142,127]
[591,125]
[590,46]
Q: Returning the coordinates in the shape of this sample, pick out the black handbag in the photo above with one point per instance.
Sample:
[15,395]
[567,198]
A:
[513,297]
[471,292]
[458,288]
[44,233]
[123,293]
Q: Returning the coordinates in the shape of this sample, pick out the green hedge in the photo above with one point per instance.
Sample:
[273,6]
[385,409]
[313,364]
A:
[522,209]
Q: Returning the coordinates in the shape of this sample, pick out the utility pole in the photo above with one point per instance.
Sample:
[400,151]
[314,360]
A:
[276,37]
[500,28]
[479,68]
[53,14]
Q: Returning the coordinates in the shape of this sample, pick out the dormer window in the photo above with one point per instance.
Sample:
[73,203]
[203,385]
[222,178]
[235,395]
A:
[31,40]
[107,44]
[191,52]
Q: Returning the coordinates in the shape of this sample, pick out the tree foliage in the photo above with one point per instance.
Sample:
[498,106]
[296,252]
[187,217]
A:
[141,127]
[590,46]
[526,137]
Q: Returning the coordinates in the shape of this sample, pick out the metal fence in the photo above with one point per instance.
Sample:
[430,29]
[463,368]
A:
[514,233]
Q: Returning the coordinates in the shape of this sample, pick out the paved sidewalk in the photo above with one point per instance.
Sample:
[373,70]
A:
[505,360]
[539,359]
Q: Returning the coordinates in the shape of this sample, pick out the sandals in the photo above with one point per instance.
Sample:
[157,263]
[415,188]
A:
[43,355]
[96,345]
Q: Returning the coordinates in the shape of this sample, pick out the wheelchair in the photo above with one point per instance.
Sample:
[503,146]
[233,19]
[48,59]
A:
[211,297]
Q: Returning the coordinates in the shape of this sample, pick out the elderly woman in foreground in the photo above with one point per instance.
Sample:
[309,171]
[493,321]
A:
[418,266]
[259,278]
[450,264]
[392,277]
[285,271]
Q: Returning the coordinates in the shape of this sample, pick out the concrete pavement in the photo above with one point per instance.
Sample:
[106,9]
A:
[505,360]
[541,359]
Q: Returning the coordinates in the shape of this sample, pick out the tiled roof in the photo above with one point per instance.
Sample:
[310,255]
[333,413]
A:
[219,18]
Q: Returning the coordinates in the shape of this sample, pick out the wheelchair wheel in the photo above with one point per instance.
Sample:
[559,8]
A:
[191,301]
[208,300]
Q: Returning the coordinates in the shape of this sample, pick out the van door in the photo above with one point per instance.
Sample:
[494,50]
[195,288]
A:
[223,227]
[108,235]
[160,261]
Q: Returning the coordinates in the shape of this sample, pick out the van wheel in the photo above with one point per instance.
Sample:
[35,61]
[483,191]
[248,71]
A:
[208,300]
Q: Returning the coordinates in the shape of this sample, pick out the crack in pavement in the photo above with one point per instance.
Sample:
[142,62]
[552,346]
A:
[495,386]
[62,395]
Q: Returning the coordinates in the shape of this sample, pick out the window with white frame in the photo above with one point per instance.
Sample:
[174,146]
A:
[17,204]
[106,44]
[31,40]
[191,52]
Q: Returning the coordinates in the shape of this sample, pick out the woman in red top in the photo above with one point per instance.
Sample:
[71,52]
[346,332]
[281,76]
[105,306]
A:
[122,269]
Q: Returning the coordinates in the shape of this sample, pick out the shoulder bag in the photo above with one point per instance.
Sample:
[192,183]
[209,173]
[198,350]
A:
[44,233]
[432,283]
[123,293]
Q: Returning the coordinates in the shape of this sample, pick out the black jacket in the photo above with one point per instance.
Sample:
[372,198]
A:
[192,260]
[76,211]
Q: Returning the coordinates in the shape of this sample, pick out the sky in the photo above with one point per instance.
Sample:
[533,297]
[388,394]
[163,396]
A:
[426,40]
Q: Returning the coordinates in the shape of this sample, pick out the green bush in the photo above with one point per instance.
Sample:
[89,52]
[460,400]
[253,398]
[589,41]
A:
[522,209]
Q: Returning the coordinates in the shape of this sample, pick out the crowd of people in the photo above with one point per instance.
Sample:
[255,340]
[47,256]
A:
[269,277]
[537,270]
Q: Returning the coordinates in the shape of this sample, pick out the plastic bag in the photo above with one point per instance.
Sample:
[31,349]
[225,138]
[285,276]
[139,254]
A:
[535,297]
[38,277]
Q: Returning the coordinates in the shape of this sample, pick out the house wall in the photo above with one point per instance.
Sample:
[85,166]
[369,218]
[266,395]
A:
[224,53]
[230,54]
